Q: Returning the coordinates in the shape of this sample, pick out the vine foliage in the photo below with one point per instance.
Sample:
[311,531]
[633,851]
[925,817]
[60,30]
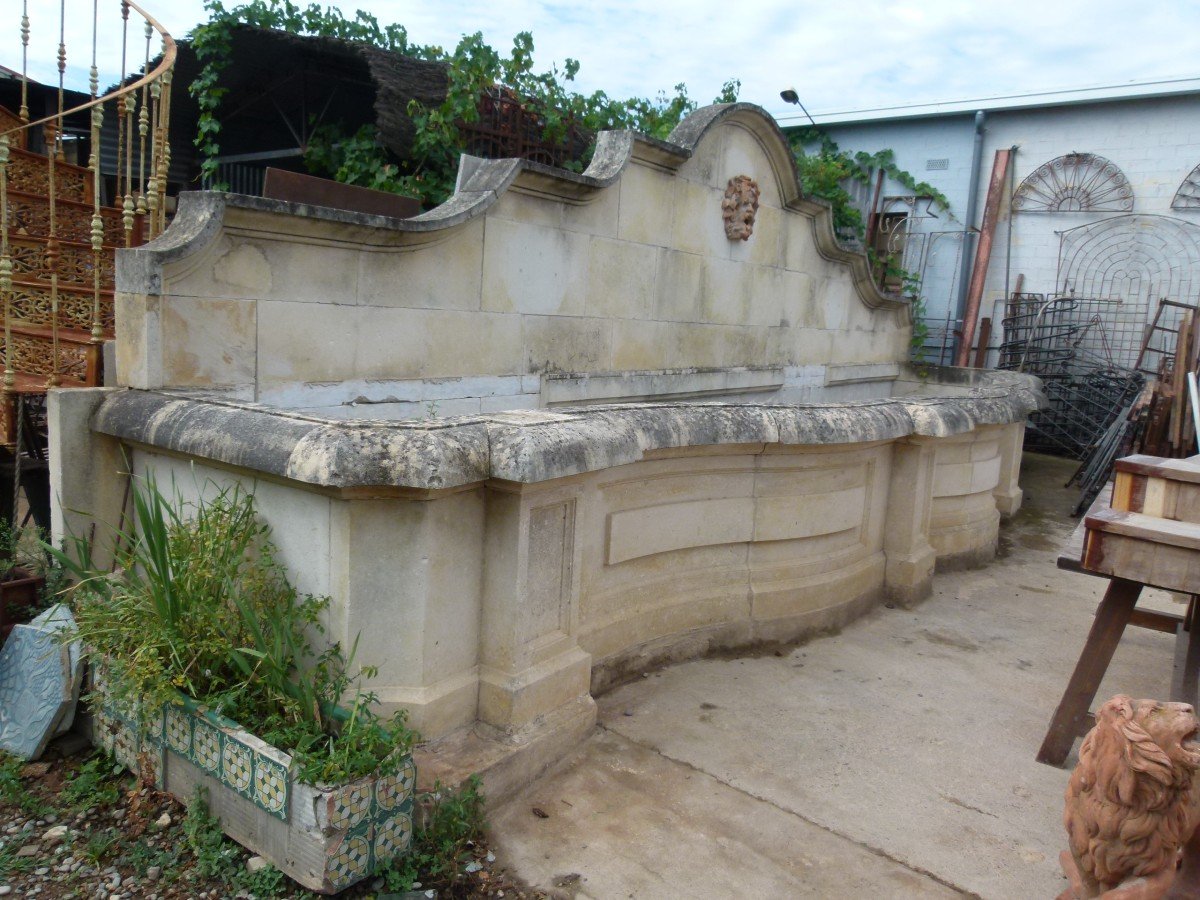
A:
[472,68]
[825,169]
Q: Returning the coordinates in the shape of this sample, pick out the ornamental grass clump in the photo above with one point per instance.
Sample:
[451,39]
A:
[199,606]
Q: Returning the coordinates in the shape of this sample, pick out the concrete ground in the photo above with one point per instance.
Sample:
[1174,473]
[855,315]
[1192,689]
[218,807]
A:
[895,759]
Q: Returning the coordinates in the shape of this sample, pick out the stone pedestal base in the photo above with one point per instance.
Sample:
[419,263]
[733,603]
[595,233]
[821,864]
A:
[505,760]
[908,579]
[1008,501]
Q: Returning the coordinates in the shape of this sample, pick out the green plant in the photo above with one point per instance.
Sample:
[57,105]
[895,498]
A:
[10,863]
[203,607]
[100,844]
[21,548]
[352,158]
[824,169]
[472,67]
[14,790]
[140,856]
[266,882]
[444,843]
[94,785]
[215,856]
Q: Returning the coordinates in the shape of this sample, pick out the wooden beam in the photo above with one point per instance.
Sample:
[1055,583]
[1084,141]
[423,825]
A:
[983,255]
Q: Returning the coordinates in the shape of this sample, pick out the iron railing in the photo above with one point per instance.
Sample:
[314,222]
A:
[57,240]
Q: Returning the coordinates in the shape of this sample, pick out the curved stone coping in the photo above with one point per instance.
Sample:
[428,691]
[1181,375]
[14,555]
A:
[529,446]
[480,184]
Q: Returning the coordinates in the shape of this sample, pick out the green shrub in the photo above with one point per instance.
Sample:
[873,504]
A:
[14,790]
[443,845]
[202,607]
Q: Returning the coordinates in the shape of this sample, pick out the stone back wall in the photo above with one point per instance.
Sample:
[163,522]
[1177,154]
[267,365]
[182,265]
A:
[626,271]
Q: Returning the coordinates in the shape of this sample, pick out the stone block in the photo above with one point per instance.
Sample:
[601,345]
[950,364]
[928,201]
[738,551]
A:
[567,344]
[647,206]
[660,529]
[620,282]
[781,518]
[447,274]
[311,272]
[599,214]
[139,340]
[531,269]
[692,345]
[768,242]
[209,343]
[87,478]
[239,268]
[768,293]
[641,346]
[800,252]
[515,700]
[698,226]
[679,286]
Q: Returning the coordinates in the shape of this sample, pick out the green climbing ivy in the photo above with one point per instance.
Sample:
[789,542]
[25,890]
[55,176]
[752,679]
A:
[824,170]
[472,67]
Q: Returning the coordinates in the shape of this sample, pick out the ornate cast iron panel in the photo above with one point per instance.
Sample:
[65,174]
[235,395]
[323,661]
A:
[1077,182]
[1188,195]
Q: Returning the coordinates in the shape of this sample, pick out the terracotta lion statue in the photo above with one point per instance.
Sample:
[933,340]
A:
[1130,806]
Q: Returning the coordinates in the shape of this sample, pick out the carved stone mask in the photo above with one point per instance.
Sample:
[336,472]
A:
[739,207]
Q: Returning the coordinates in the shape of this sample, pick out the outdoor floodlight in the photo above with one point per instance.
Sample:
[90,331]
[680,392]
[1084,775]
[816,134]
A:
[789,95]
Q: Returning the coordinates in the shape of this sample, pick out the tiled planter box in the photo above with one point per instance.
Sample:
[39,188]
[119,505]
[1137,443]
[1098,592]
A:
[325,837]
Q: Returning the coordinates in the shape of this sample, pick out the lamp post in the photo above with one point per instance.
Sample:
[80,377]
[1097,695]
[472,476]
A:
[789,95]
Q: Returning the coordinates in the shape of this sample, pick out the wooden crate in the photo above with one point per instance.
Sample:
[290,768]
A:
[1161,552]
[1154,486]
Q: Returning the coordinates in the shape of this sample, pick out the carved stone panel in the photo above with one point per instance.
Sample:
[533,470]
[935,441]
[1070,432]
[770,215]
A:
[551,553]
[739,207]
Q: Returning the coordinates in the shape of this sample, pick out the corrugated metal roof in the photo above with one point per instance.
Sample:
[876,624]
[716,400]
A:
[1134,90]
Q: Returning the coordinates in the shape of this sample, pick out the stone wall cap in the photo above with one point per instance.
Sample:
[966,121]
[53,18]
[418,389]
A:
[481,182]
[529,446]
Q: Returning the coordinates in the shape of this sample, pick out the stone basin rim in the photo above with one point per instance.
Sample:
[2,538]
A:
[530,446]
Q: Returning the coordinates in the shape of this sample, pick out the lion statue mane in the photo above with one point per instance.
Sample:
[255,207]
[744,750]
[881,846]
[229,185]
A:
[1129,804]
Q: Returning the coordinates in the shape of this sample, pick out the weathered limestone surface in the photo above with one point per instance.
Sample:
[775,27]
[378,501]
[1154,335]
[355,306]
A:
[528,271]
[532,445]
[556,430]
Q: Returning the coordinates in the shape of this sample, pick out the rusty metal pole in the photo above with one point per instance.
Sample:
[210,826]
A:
[985,338]
[983,254]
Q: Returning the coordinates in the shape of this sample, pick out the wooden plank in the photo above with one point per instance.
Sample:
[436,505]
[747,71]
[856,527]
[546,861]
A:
[1143,527]
[1070,718]
[983,253]
[1154,500]
[295,187]
[1161,467]
[1158,564]
[1167,623]
[1070,556]
[1185,679]
[1124,490]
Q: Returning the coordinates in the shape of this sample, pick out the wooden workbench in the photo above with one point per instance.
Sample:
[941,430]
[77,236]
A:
[1083,552]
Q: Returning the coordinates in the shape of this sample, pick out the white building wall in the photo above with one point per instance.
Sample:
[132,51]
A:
[1155,142]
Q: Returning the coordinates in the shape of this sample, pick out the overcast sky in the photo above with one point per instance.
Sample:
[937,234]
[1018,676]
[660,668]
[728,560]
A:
[838,55]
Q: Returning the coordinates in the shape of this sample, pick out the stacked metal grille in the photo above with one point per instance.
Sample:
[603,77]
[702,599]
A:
[1085,351]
